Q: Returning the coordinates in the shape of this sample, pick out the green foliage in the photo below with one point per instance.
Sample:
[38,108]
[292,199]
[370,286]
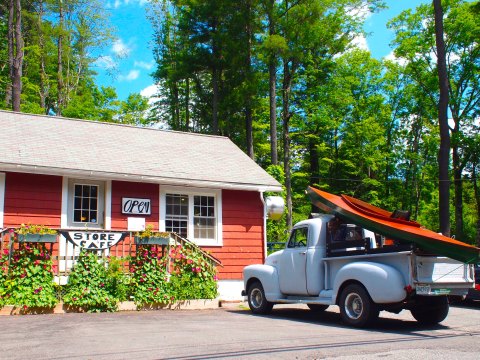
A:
[193,277]
[34,229]
[149,276]
[149,232]
[88,285]
[28,280]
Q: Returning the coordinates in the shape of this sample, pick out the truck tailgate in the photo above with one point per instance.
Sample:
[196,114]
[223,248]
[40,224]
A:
[441,274]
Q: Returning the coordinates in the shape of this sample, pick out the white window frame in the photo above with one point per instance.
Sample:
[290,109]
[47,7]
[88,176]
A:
[217,194]
[2,198]
[68,197]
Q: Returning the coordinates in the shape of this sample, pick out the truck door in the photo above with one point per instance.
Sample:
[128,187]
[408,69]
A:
[292,267]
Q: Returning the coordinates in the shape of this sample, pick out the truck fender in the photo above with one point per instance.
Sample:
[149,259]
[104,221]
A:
[267,275]
[384,283]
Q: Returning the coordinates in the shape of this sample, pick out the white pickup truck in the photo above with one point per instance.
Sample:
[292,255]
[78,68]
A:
[357,270]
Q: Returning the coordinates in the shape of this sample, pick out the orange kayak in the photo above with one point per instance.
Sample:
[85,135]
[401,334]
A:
[381,221]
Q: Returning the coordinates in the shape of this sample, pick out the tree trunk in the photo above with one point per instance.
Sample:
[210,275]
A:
[215,79]
[314,166]
[187,104]
[17,58]
[272,84]
[43,91]
[10,35]
[444,152]
[248,72]
[60,84]
[287,80]
[477,200]
[458,186]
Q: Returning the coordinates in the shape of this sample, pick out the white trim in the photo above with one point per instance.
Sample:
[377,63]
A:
[2,198]
[217,193]
[64,216]
[265,252]
[230,290]
[103,175]
[108,205]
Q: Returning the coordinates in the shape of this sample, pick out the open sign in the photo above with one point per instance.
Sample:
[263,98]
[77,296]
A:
[136,206]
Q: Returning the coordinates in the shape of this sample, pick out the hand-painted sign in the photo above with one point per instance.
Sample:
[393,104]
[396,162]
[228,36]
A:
[94,240]
[136,206]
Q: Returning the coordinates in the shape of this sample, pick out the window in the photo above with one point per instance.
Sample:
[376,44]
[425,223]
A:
[176,217]
[298,238]
[192,214]
[86,203]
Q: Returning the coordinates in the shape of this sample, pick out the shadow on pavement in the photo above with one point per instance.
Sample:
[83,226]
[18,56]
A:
[330,318]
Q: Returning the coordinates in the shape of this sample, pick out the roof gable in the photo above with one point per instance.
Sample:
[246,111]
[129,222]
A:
[64,146]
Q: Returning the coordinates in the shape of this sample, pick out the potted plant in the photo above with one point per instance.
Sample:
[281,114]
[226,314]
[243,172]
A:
[151,237]
[36,233]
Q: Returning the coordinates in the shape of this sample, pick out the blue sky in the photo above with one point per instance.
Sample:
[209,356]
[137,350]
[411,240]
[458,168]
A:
[131,54]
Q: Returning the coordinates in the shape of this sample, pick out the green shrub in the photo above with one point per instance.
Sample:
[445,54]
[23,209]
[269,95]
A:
[149,276]
[28,280]
[87,285]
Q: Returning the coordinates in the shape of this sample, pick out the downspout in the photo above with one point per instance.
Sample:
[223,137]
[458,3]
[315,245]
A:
[264,226]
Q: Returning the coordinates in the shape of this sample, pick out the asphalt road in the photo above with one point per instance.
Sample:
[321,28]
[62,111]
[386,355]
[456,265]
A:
[233,333]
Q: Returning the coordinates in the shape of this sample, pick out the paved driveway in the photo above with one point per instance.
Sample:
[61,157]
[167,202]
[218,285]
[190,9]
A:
[289,333]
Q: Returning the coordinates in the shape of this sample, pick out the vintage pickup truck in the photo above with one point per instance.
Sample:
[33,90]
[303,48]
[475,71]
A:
[326,262]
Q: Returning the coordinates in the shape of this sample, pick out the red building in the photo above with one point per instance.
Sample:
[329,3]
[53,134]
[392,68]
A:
[76,174]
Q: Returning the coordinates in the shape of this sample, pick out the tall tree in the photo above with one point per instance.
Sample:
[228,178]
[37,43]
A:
[444,152]
[15,45]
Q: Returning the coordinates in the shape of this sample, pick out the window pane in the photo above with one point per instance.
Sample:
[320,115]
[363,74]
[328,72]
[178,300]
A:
[85,203]
[204,217]
[176,215]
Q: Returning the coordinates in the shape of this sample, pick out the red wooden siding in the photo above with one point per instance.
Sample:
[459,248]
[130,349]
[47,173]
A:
[32,199]
[243,244]
[122,189]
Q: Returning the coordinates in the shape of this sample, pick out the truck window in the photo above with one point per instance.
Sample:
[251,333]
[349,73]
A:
[298,238]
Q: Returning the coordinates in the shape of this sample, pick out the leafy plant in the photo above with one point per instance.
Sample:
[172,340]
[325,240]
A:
[149,232]
[87,285]
[118,282]
[34,229]
[149,276]
[28,280]
[193,277]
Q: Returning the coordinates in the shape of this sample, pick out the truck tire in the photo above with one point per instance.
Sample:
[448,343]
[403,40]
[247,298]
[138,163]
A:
[430,310]
[256,299]
[317,307]
[356,307]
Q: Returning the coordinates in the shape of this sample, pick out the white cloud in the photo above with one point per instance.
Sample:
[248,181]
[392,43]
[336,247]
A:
[121,49]
[132,75]
[360,42]
[393,58]
[150,92]
[119,3]
[106,62]
[144,65]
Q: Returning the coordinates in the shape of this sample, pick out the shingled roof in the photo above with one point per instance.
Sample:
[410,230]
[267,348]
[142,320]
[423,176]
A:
[61,146]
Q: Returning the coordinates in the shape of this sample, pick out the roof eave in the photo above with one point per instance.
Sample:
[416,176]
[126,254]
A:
[103,175]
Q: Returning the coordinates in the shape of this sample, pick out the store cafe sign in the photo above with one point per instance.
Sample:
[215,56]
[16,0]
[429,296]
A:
[94,240]
[135,206]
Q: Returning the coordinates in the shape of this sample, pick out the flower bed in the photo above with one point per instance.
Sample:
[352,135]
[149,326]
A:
[165,276]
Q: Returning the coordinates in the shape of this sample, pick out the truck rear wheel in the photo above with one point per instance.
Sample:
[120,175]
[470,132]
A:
[430,310]
[356,306]
[256,299]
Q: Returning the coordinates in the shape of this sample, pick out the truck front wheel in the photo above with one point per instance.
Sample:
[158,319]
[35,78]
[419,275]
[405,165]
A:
[256,299]
[356,307]
[430,310]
